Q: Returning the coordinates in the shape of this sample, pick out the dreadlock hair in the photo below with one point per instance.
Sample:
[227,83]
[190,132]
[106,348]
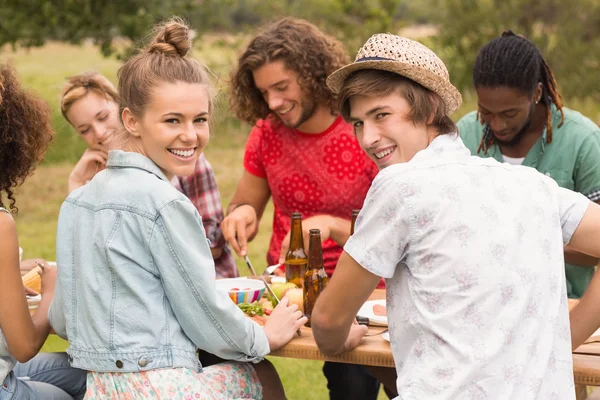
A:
[513,61]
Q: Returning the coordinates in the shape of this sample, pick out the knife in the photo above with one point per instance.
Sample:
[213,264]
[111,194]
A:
[253,271]
[271,292]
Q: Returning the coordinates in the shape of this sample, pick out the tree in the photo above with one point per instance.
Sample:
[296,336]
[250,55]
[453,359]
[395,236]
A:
[31,22]
[567,34]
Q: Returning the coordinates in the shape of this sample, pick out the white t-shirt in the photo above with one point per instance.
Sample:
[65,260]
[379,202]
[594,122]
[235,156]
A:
[472,253]
[513,160]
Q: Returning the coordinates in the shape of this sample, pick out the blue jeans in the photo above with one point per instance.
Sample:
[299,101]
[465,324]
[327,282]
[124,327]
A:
[350,381]
[47,376]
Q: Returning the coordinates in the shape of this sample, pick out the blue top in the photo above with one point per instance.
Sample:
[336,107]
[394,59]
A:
[136,284]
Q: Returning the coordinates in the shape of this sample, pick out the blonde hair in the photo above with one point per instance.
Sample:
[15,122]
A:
[165,59]
[78,86]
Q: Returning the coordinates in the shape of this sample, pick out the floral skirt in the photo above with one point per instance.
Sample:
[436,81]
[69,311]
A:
[227,380]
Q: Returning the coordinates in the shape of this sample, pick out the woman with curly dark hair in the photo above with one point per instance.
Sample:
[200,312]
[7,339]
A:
[302,153]
[25,132]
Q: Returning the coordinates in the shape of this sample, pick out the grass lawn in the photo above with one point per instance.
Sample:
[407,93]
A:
[39,199]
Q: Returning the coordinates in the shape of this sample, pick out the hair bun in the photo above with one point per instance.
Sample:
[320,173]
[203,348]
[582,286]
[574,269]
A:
[172,38]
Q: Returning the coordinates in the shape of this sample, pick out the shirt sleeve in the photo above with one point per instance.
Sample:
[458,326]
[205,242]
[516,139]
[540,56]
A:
[587,167]
[56,315]
[207,316]
[382,229]
[201,188]
[56,312]
[572,206]
[253,161]
[470,131]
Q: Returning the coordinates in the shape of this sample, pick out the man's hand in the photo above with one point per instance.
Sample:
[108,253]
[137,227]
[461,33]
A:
[357,332]
[91,162]
[322,222]
[238,226]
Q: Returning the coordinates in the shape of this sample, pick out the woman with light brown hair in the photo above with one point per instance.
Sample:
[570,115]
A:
[90,103]
[136,293]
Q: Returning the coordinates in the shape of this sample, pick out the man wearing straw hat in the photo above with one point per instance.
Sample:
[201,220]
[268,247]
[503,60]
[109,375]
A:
[471,249]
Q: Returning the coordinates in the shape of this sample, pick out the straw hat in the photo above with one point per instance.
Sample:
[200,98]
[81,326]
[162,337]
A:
[405,57]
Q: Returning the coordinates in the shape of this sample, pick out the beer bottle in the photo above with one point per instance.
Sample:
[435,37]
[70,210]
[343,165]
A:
[354,215]
[315,277]
[295,259]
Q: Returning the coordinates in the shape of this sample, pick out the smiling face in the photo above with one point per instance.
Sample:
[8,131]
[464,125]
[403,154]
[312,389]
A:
[174,129]
[507,111]
[95,118]
[384,131]
[279,87]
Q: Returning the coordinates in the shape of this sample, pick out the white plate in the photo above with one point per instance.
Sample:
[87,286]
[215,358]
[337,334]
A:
[366,311]
[386,335]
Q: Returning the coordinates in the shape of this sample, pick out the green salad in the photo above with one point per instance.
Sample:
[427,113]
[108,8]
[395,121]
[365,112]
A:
[252,309]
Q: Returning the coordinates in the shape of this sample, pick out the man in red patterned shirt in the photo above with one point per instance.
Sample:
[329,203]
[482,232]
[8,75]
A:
[201,188]
[301,153]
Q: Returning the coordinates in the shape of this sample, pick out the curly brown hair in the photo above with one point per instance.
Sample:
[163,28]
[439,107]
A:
[304,49]
[25,132]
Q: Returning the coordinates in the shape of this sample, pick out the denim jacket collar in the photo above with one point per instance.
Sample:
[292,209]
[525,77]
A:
[128,159]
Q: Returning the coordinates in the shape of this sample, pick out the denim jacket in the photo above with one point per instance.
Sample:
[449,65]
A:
[135,288]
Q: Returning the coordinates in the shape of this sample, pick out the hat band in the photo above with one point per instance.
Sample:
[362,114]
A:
[375,59]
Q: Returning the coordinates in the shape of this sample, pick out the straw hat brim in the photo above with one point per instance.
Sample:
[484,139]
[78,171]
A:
[449,94]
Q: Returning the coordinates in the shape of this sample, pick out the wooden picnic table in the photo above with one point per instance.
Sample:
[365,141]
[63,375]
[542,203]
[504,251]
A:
[374,350]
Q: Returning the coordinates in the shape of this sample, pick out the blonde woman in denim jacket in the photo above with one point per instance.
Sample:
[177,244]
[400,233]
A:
[136,293]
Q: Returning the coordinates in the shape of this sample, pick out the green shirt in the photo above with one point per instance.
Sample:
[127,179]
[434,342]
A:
[572,160]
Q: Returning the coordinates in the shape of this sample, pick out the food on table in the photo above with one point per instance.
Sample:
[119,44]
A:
[380,310]
[280,289]
[259,319]
[33,280]
[296,296]
[234,289]
[252,309]
[267,305]
[258,311]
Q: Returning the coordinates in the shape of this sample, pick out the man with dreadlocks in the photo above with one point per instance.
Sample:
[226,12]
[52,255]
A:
[521,120]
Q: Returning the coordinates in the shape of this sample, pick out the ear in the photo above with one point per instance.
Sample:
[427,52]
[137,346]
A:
[130,122]
[537,95]
[434,100]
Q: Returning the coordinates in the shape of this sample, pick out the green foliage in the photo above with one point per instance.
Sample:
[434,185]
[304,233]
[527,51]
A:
[30,23]
[567,33]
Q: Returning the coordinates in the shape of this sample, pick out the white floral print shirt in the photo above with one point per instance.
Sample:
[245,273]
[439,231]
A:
[472,253]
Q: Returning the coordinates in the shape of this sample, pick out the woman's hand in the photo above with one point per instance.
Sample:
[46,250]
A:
[283,323]
[91,162]
[30,263]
